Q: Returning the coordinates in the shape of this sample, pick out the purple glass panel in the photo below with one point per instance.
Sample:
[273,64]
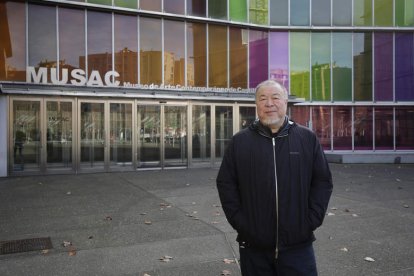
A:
[258,59]
[363,128]
[404,66]
[383,66]
[279,57]
[384,128]
[321,125]
[404,122]
[342,128]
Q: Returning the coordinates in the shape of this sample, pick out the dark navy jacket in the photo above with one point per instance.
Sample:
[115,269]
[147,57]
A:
[275,188]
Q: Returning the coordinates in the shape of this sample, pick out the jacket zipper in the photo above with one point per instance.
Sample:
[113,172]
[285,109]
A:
[277,201]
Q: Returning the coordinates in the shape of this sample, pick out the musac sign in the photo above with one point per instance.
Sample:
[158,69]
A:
[78,77]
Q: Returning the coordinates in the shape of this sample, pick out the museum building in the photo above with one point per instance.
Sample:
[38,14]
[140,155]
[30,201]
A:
[112,85]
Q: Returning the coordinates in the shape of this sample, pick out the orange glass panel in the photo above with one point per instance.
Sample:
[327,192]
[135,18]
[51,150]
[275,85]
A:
[217,56]
[126,48]
[12,41]
[150,51]
[174,54]
[196,55]
[238,58]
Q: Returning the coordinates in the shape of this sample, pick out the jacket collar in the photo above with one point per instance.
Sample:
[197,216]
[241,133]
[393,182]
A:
[263,130]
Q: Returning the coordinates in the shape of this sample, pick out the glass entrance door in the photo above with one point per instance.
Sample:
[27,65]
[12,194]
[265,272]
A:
[148,136]
[120,125]
[92,135]
[175,136]
[26,136]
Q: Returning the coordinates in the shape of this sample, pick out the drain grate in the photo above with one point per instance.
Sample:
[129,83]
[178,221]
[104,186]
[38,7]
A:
[19,246]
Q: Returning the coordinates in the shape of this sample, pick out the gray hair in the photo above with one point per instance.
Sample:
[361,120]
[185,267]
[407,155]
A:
[272,83]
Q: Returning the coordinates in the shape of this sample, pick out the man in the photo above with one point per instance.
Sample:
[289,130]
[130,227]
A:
[274,184]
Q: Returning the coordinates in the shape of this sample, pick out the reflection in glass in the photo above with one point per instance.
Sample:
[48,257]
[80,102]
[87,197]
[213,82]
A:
[175,136]
[12,39]
[384,128]
[132,4]
[101,2]
[92,135]
[99,44]
[404,126]
[301,115]
[41,28]
[217,9]
[383,60]
[196,55]
[126,48]
[120,135]
[404,66]
[71,40]
[196,7]
[238,10]
[59,134]
[321,125]
[279,12]
[217,56]
[342,12]
[362,66]
[258,57]
[363,13]
[299,12]
[404,13]
[174,53]
[342,128]
[321,12]
[383,13]
[238,57]
[279,57]
[149,134]
[342,66]
[259,12]
[174,6]
[150,5]
[224,129]
[247,116]
[321,66]
[201,133]
[363,128]
[299,64]
[150,50]
[26,136]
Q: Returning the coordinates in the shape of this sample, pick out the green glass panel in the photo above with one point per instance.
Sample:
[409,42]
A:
[101,2]
[217,9]
[342,66]
[299,64]
[132,4]
[383,12]
[404,13]
[363,13]
[362,56]
[238,10]
[321,66]
[259,11]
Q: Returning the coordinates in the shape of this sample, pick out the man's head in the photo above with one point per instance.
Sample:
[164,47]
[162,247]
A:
[271,104]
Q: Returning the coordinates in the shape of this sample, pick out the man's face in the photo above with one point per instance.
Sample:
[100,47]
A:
[271,103]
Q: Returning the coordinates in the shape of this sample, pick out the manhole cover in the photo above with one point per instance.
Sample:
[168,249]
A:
[18,246]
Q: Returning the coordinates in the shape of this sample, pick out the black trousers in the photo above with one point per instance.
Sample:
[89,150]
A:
[294,262]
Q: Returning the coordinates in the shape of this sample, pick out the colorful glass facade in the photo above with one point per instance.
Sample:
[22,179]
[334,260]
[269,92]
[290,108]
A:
[349,63]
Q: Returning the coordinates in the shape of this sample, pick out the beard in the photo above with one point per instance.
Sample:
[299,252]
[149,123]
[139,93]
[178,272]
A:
[273,121]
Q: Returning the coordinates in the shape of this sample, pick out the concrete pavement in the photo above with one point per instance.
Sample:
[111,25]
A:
[171,223]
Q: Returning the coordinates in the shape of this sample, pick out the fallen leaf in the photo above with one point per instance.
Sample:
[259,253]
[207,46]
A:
[214,222]
[108,218]
[331,214]
[398,180]
[146,274]
[347,210]
[228,261]
[72,251]
[90,237]
[66,243]
[369,259]
[68,193]
[143,214]
[148,222]
[225,272]
[45,251]
[334,208]
[406,206]
[344,249]
[355,215]
[217,213]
